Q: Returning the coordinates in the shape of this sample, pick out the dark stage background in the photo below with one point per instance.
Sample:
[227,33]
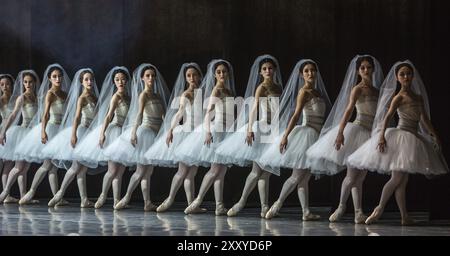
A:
[103,33]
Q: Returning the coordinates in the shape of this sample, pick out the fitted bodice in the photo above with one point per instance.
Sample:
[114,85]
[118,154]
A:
[224,113]
[87,114]
[269,105]
[56,111]
[28,112]
[314,112]
[409,116]
[366,107]
[120,113]
[153,111]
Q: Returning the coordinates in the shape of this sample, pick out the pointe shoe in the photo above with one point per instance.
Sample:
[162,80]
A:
[408,221]
[337,214]
[199,210]
[100,201]
[121,204]
[220,209]
[26,199]
[360,217]
[62,202]
[310,217]
[149,207]
[85,203]
[264,210]
[3,196]
[376,214]
[234,210]
[10,200]
[192,207]
[56,198]
[273,211]
[164,206]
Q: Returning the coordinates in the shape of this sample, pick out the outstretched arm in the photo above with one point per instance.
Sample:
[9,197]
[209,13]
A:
[392,108]
[11,117]
[339,142]
[109,116]
[300,103]
[138,119]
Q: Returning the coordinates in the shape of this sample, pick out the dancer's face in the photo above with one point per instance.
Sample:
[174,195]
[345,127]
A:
[192,77]
[221,73]
[405,76]
[365,70]
[267,70]
[5,85]
[149,77]
[309,73]
[56,77]
[120,80]
[87,81]
[28,82]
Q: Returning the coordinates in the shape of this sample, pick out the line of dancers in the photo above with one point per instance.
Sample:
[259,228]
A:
[135,122]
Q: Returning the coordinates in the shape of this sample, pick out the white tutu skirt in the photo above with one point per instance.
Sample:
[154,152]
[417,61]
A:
[405,152]
[323,158]
[294,157]
[193,150]
[122,151]
[235,150]
[60,150]
[162,155]
[30,147]
[88,151]
[14,136]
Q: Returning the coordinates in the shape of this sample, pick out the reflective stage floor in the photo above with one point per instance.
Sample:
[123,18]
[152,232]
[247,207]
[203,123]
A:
[71,220]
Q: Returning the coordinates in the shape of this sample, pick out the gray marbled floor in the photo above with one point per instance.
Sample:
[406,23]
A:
[71,220]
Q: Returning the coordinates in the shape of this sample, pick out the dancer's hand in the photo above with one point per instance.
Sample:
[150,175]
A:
[250,138]
[169,138]
[208,139]
[381,144]
[101,140]
[44,137]
[134,139]
[73,141]
[283,144]
[339,142]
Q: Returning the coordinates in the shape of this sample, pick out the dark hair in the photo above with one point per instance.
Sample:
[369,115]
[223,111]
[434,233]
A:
[404,64]
[84,73]
[145,69]
[267,60]
[358,64]
[307,63]
[27,73]
[191,66]
[9,77]
[221,63]
[120,70]
[50,71]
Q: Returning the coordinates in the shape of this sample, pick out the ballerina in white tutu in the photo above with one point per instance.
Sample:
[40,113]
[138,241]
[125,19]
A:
[413,147]
[25,106]
[141,127]
[92,149]
[77,119]
[304,98]
[6,106]
[51,110]
[171,134]
[329,154]
[246,145]
[198,148]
